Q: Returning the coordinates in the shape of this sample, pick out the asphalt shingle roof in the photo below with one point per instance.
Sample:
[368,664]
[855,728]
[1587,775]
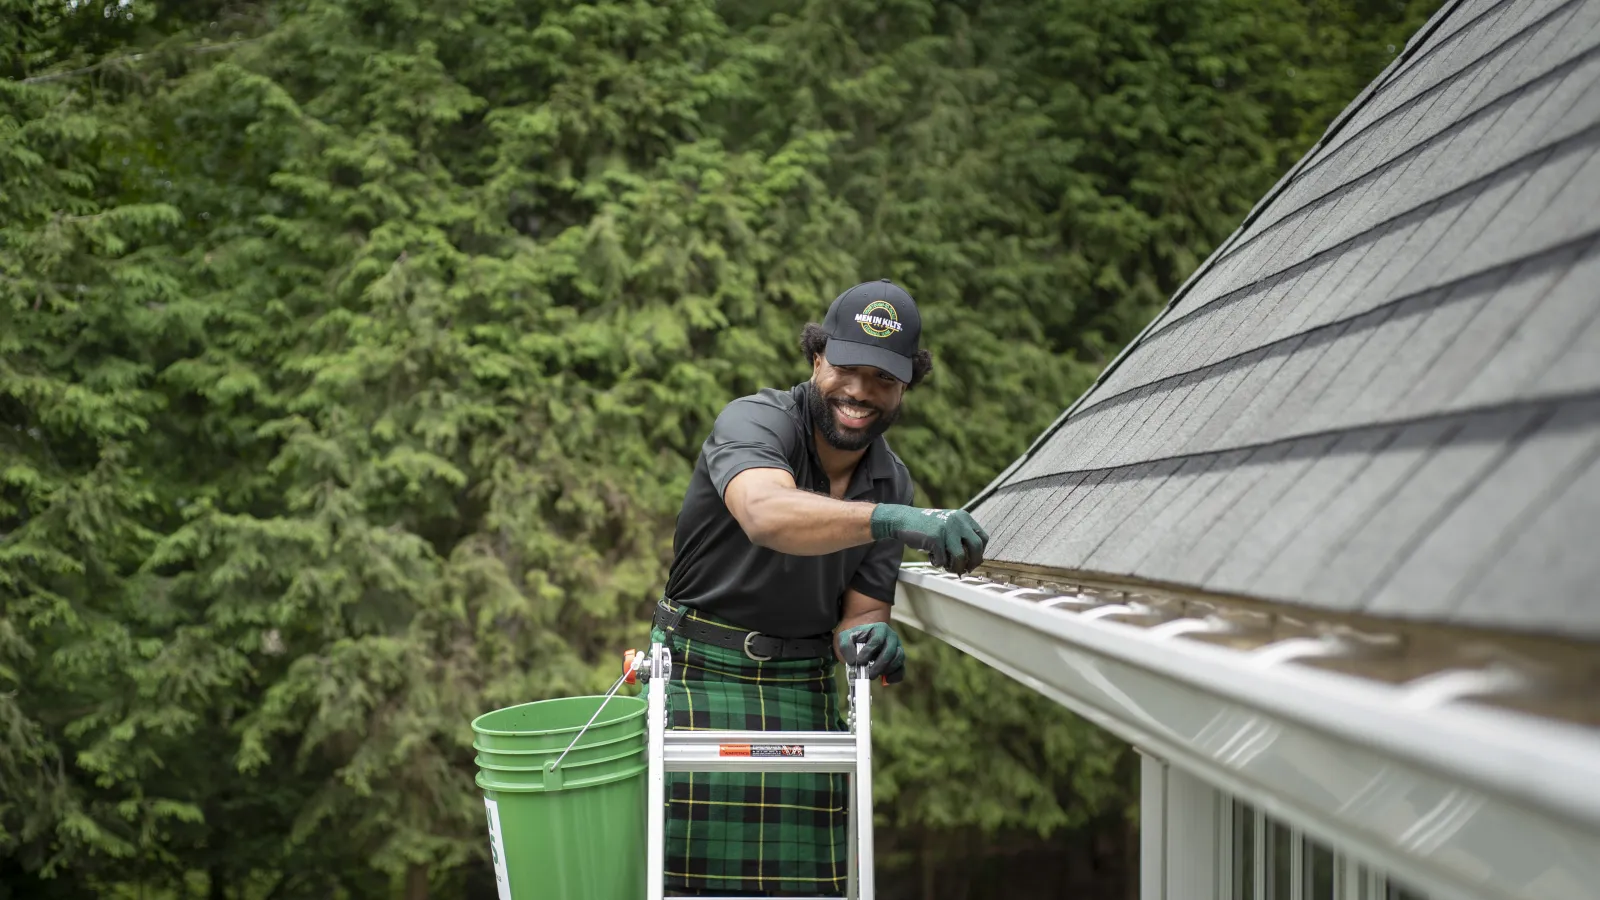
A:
[1382,394]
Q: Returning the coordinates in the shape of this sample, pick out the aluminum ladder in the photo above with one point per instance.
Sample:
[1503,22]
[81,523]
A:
[759,751]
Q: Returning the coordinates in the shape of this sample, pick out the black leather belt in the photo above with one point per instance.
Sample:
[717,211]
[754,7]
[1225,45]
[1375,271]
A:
[759,647]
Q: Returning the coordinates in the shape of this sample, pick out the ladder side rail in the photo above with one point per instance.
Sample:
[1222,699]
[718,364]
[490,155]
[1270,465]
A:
[656,711]
[861,813]
[853,865]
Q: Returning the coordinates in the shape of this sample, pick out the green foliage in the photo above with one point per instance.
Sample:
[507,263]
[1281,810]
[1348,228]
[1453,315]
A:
[354,358]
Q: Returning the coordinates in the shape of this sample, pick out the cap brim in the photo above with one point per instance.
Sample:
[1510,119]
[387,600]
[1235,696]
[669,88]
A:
[852,353]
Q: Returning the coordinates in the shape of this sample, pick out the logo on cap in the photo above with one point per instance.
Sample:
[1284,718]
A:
[879,319]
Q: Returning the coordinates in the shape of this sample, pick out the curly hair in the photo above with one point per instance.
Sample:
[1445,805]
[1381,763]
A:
[813,340]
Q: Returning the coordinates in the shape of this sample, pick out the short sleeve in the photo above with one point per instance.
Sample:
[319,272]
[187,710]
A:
[749,434]
[878,573]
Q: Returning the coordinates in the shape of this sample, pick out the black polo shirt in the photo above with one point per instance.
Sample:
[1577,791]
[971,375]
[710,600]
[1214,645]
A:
[717,570]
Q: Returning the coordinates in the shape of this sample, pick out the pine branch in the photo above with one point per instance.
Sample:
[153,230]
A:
[60,286]
[135,57]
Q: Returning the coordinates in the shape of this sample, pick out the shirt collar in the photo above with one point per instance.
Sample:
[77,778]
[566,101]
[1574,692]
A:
[877,463]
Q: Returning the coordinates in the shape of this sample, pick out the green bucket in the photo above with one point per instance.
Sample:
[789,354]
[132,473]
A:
[577,832]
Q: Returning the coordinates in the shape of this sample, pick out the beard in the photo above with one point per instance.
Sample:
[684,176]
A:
[842,438]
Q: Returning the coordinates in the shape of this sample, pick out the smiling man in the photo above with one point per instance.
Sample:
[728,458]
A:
[784,562]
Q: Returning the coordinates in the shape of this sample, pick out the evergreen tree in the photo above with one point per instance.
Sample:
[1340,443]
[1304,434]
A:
[354,358]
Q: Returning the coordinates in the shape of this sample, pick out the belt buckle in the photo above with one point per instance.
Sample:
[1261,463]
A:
[750,636]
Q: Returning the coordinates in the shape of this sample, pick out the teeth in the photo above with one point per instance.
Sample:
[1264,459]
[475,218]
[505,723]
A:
[853,413]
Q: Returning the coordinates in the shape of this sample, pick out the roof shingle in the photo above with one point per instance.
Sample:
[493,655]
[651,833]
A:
[1384,395]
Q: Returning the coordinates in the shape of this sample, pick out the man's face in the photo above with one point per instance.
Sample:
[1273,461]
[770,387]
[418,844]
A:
[852,404]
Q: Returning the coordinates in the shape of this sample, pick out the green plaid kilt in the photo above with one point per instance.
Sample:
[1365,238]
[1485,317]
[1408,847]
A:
[746,833]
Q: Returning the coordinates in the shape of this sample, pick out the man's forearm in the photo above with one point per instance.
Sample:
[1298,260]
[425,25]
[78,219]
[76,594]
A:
[862,617]
[801,523]
[866,617]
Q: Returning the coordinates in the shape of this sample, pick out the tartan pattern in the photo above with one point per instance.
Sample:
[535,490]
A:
[753,832]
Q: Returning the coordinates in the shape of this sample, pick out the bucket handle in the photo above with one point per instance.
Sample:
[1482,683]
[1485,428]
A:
[551,767]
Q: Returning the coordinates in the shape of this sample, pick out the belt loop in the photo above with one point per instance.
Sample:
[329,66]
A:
[677,616]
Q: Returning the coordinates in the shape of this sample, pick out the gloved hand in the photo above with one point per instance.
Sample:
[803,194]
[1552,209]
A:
[876,647]
[952,538]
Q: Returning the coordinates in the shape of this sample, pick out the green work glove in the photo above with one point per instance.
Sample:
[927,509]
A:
[876,648]
[952,538]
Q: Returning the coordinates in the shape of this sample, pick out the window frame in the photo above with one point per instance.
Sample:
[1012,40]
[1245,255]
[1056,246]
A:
[1190,833]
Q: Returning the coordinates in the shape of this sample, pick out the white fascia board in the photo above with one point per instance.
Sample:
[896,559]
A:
[1454,799]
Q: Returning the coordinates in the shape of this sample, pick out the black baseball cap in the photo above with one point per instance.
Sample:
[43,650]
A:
[875,323]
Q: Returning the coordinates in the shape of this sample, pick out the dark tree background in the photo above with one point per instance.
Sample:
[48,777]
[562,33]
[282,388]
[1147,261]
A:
[354,357]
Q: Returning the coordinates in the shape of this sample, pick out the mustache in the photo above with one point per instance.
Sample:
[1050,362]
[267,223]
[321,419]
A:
[837,400]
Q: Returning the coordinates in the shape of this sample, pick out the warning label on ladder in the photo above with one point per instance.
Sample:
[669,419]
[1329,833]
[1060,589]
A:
[761,749]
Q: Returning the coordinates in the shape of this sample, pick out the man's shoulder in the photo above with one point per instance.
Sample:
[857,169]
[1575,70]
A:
[768,414]
[770,407]
[766,398]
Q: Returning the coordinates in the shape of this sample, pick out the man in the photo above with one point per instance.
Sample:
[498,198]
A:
[784,561]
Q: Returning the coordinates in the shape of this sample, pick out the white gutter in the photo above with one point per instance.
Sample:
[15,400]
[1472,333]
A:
[1455,799]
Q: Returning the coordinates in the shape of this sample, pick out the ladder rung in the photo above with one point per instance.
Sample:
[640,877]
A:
[787,751]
